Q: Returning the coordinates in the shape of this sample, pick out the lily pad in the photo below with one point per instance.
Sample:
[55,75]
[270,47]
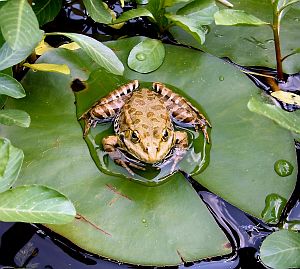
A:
[249,45]
[117,216]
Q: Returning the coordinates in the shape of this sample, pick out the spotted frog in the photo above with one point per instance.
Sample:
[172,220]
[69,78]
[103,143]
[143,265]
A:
[144,125]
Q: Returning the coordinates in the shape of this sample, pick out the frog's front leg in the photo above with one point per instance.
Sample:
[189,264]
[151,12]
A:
[108,107]
[110,145]
[179,150]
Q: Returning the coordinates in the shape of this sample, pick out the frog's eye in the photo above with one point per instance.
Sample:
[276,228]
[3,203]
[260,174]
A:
[135,136]
[165,135]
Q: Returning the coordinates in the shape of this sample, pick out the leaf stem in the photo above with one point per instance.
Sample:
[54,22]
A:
[276,28]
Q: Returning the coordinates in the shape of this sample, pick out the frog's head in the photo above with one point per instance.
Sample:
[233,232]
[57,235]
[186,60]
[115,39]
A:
[149,145]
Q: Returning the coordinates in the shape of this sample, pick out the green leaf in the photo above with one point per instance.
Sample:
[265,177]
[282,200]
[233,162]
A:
[46,10]
[146,56]
[35,204]
[19,25]
[281,250]
[201,11]
[11,159]
[288,120]
[170,3]
[236,17]
[100,53]
[14,117]
[133,13]
[189,25]
[10,57]
[98,11]
[283,4]
[171,218]
[11,87]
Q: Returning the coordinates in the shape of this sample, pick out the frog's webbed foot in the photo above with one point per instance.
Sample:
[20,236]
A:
[110,144]
[182,111]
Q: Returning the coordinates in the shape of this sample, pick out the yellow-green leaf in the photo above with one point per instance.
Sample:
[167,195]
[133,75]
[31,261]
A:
[70,46]
[42,47]
[287,97]
[58,68]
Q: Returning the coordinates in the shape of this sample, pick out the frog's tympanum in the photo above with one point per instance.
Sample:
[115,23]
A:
[143,124]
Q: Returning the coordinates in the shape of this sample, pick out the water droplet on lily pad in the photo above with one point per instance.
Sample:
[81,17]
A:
[283,168]
[221,78]
[140,56]
[274,205]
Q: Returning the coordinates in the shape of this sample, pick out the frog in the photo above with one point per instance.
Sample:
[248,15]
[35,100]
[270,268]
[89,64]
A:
[144,125]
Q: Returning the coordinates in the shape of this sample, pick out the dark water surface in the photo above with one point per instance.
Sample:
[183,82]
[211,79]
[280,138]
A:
[30,246]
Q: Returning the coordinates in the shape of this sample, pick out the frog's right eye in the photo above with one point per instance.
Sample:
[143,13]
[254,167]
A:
[135,138]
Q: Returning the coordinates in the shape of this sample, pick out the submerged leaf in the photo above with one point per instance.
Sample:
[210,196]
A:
[100,53]
[236,17]
[11,87]
[58,68]
[14,117]
[11,160]
[281,250]
[35,204]
[146,56]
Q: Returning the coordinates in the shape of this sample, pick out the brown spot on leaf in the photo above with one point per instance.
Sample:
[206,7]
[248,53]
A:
[82,218]
[77,85]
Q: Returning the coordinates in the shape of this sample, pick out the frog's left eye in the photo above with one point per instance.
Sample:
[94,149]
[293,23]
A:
[165,135]
[135,138]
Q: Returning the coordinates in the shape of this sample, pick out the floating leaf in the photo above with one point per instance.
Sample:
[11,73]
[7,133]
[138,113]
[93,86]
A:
[189,25]
[98,11]
[14,117]
[46,10]
[11,160]
[10,57]
[19,25]
[281,250]
[133,13]
[201,12]
[146,56]
[11,87]
[35,204]
[58,68]
[287,97]
[100,53]
[236,17]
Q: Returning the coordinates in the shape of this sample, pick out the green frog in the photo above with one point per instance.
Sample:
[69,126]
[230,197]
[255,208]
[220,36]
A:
[144,125]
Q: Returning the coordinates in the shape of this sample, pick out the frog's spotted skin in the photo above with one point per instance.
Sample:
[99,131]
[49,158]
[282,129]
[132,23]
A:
[143,124]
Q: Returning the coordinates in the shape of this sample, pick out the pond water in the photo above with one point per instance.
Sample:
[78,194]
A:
[34,246]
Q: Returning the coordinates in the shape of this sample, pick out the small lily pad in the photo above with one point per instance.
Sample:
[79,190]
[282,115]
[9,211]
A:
[146,56]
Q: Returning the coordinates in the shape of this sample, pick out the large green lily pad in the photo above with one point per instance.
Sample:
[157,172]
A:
[169,223]
[253,45]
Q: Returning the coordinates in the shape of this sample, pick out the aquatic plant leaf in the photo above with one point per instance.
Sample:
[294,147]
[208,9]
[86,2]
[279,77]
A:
[236,17]
[248,45]
[58,68]
[200,11]
[10,57]
[14,117]
[35,204]
[19,25]
[288,120]
[117,216]
[11,87]
[11,159]
[190,25]
[281,250]
[98,11]
[100,53]
[42,47]
[46,10]
[133,13]
[146,56]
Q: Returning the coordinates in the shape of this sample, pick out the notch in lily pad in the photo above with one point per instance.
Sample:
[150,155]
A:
[146,56]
